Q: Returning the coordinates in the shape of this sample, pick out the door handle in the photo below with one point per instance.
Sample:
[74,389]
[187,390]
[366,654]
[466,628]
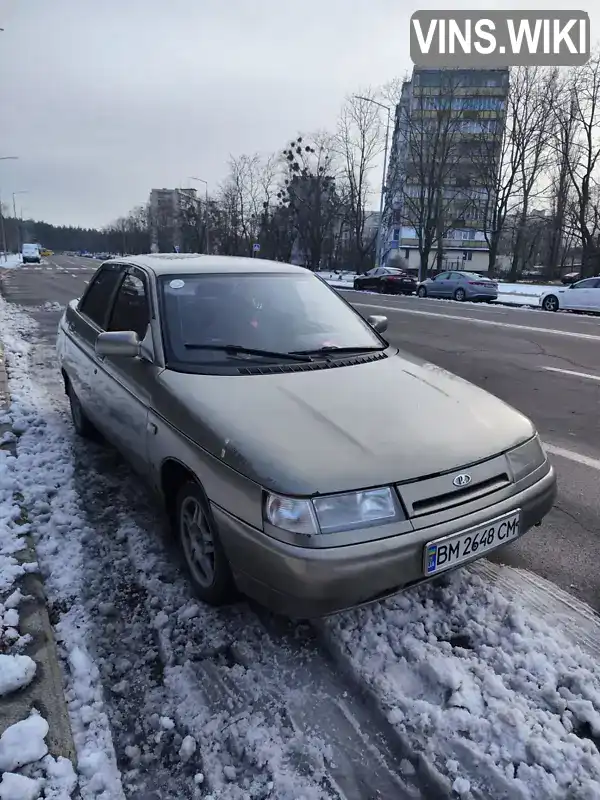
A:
[151,428]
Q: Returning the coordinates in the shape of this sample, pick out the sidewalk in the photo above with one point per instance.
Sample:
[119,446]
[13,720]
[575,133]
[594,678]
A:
[25,630]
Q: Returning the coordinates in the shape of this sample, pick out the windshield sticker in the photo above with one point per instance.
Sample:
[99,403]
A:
[177,284]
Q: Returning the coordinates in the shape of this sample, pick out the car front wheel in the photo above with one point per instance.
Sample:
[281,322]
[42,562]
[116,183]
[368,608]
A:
[202,550]
[422,291]
[550,303]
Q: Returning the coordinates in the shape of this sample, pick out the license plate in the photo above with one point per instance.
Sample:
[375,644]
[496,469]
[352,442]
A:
[449,551]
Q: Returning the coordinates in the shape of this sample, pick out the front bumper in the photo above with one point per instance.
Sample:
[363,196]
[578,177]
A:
[304,582]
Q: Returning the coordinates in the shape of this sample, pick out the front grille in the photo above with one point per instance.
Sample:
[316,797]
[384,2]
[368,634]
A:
[450,499]
[438,493]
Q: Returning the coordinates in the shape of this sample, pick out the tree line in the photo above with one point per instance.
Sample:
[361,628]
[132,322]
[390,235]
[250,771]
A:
[530,181]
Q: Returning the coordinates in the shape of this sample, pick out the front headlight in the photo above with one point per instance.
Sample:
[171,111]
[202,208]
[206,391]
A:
[526,458]
[290,514]
[342,512]
[333,513]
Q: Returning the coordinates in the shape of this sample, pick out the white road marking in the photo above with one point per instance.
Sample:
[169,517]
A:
[477,321]
[571,455]
[575,374]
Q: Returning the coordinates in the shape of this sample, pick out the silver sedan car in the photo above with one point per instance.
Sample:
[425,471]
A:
[459,285]
[271,419]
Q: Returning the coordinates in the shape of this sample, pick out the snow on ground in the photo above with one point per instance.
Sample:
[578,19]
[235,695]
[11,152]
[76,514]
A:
[495,697]
[11,262]
[22,745]
[167,697]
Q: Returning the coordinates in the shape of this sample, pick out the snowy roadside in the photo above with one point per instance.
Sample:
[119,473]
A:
[11,262]
[28,685]
[497,697]
[167,697]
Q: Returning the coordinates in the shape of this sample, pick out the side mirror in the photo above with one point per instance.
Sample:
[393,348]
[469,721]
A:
[118,343]
[378,323]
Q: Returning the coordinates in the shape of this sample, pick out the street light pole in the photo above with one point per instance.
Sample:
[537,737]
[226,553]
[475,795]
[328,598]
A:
[2,228]
[383,177]
[18,224]
[201,180]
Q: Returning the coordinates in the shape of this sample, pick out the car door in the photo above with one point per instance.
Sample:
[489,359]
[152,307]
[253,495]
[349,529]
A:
[594,298]
[579,296]
[126,384]
[438,286]
[83,322]
[371,280]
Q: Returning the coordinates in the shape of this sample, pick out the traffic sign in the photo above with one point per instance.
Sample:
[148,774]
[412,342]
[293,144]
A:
[256,247]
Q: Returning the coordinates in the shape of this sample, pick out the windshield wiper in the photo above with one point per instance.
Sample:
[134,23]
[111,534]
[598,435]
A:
[333,349]
[238,349]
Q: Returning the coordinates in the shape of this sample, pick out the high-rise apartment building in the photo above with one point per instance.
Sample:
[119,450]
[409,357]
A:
[165,216]
[444,158]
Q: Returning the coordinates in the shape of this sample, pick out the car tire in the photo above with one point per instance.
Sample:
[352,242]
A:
[460,295]
[81,423]
[356,285]
[550,303]
[422,291]
[203,554]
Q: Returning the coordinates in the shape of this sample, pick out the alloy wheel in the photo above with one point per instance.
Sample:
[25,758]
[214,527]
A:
[550,303]
[197,542]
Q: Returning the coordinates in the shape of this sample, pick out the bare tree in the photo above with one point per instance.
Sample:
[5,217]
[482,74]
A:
[358,142]
[247,195]
[510,157]
[310,193]
[583,157]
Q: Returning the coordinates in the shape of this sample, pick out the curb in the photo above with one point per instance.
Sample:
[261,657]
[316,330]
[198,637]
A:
[46,691]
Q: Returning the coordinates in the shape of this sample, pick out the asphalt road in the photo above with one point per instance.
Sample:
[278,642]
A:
[546,365]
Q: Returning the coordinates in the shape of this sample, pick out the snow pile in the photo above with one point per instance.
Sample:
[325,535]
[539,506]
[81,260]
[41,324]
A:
[12,262]
[499,701]
[22,745]
[15,672]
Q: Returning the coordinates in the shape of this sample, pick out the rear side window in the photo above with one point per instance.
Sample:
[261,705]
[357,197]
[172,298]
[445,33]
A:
[131,310]
[97,299]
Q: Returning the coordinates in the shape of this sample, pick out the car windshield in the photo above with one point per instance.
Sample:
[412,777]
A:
[278,313]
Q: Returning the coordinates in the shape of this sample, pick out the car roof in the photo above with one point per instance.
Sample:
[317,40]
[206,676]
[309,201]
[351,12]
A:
[180,263]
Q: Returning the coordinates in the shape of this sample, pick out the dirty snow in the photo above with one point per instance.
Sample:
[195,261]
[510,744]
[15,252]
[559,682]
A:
[167,697]
[495,697]
[11,262]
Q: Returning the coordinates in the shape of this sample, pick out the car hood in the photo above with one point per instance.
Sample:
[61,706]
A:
[341,428]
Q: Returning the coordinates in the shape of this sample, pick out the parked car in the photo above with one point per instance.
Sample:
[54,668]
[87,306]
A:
[237,388]
[459,285]
[386,280]
[45,252]
[571,277]
[30,253]
[581,296]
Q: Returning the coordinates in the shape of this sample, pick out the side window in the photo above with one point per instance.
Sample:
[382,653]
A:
[589,283]
[97,299]
[131,311]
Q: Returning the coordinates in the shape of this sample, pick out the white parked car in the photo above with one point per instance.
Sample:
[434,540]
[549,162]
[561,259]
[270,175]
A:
[581,296]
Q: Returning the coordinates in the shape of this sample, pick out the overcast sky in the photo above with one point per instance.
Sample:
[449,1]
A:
[104,99]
